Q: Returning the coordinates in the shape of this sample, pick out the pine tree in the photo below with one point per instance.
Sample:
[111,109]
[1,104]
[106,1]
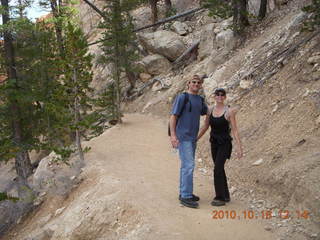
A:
[116,45]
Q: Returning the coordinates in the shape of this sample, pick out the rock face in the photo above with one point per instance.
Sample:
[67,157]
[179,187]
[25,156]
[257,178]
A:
[163,42]
[156,64]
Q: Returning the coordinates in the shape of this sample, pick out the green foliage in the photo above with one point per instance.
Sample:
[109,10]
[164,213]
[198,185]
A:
[47,87]
[171,12]
[314,21]
[218,8]
[4,196]
[117,40]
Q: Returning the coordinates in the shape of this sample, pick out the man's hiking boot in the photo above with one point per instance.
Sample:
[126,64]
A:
[217,202]
[194,198]
[188,202]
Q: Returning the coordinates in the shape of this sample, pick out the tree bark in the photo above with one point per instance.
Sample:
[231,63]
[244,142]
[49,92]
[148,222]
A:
[154,12]
[263,9]
[77,119]
[240,15]
[22,161]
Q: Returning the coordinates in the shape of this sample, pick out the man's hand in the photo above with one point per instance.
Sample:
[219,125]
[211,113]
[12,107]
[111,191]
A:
[174,141]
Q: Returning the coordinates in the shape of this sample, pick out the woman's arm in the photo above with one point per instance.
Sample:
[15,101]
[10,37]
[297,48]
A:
[205,126]
[235,132]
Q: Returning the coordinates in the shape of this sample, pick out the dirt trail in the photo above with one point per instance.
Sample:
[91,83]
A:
[138,153]
[130,191]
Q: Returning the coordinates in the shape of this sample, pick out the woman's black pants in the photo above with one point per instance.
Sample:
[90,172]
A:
[220,153]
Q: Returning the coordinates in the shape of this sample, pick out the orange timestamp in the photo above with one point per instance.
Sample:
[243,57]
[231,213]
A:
[265,214]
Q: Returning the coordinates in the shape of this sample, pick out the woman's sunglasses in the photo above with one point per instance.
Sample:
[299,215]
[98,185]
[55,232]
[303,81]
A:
[220,94]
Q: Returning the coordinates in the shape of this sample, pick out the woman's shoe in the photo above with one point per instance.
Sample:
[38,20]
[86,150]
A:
[217,202]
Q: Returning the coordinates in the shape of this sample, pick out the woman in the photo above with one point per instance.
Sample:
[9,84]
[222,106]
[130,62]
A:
[220,118]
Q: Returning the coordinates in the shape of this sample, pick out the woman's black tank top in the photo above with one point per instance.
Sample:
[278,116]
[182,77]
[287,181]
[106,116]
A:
[220,129]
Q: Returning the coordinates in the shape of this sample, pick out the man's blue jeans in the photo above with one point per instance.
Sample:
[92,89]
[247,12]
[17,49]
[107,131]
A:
[187,150]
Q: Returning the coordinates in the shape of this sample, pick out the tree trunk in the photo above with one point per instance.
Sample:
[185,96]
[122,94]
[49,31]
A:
[168,5]
[240,15]
[263,9]
[154,12]
[22,160]
[77,120]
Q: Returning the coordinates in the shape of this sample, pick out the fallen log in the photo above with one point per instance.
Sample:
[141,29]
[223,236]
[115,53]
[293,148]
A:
[188,51]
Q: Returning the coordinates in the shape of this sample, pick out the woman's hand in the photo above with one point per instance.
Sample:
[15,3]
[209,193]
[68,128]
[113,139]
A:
[239,153]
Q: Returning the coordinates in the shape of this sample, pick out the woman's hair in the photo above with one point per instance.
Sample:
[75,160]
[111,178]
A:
[220,90]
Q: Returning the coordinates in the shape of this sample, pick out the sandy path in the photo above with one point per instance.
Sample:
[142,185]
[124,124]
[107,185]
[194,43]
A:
[130,191]
[138,154]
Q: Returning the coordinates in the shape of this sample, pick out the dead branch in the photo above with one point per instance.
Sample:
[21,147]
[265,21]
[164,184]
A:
[147,26]
[138,92]
[188,51]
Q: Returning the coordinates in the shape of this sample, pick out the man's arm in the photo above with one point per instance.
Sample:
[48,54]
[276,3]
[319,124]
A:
[173,138]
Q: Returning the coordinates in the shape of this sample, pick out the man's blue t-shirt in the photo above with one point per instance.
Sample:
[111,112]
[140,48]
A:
[188,122]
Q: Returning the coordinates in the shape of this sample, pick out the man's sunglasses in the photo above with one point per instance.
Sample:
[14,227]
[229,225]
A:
[196,82]
[220,94]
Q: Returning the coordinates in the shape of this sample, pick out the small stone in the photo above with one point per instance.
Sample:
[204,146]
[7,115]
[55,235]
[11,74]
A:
[258,162]
[245,84]
[318,120]
[145,77]
[267,228]
[199,160]
[72,178]
[42,194]
[314,235]
[59,211]
[306,93]
[275,108]
[314,60]
[232,190]
[292,106]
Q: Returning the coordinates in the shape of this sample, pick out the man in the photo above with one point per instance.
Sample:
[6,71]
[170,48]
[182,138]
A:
[184,128]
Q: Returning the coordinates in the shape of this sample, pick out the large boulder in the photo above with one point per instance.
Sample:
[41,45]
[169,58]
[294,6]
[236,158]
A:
[166,43]
[226,40]
[156,64]
[207,39]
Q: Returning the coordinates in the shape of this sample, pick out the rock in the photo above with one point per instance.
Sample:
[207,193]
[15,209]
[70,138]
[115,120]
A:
[226,40]
[267,228]
[145,77]
[207,38]
[72,177]
[275,109]
[232,190]
[180,28]
[258,162]
[156,64]
[13,193]
[42,194]
[166,43]
[59,211]
[314,60]
[318,120]
[156,86]
[246,84]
